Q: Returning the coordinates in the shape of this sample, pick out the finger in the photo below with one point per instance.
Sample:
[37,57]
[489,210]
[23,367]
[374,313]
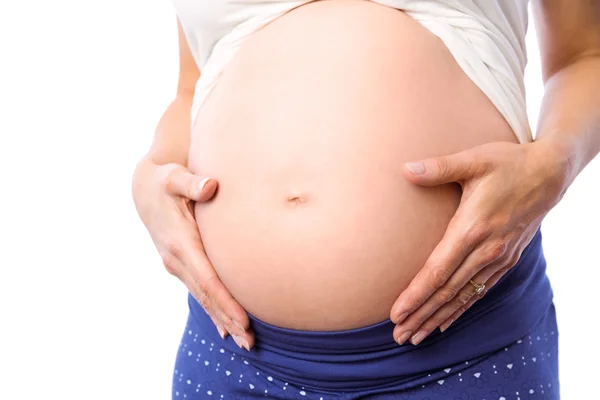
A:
[458,242]
[490,283]
[460,311]
[177,269]
[439,170]
[205,286]
[244,338]
[221,328]
[213,296]
[223,323]
[456,292]
[180,182]
[490,275]
[466,297]
[416,335]
[204,280]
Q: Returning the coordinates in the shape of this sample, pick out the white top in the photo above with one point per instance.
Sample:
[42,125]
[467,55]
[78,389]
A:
[487,39]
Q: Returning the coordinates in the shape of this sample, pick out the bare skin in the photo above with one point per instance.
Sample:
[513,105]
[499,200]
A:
[504,202]
[313,226]
[164,191]
[568,130]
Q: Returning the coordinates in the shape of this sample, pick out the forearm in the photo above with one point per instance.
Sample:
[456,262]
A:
[570,114]
[171,142]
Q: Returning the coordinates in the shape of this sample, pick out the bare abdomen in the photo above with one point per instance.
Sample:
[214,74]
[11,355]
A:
[314,226]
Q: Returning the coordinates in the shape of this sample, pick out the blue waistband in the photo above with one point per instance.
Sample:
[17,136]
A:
[369,357]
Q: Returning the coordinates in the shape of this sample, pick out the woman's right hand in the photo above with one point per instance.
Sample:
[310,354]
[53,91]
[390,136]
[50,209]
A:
[164,197]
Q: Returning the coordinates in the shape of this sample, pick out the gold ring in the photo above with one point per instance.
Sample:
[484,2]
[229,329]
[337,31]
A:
[478,288]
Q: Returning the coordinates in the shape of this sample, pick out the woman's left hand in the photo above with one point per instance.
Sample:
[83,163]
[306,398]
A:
[507,189]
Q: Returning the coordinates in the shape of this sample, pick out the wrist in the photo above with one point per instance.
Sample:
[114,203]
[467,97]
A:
[558,158]
[142,170]
[143,165]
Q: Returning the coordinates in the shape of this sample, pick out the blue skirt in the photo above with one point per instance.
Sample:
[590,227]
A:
[504,347]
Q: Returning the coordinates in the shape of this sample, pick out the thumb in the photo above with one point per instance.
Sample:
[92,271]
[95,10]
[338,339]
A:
[208,188]
[439,170]
[181,182]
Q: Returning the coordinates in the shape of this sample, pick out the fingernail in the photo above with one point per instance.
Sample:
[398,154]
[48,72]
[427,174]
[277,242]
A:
[446,326]
[417,168]
[402,338]
[240,327]
[203,183]
[242,344]
[221,332]
[401,318]
[418,337]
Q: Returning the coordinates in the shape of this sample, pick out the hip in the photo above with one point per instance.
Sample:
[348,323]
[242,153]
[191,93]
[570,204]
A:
[364,362]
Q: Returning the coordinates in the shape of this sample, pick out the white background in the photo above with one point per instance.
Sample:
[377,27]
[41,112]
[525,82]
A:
[86,309]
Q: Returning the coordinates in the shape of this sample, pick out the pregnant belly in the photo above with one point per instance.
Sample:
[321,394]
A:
[313,225]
